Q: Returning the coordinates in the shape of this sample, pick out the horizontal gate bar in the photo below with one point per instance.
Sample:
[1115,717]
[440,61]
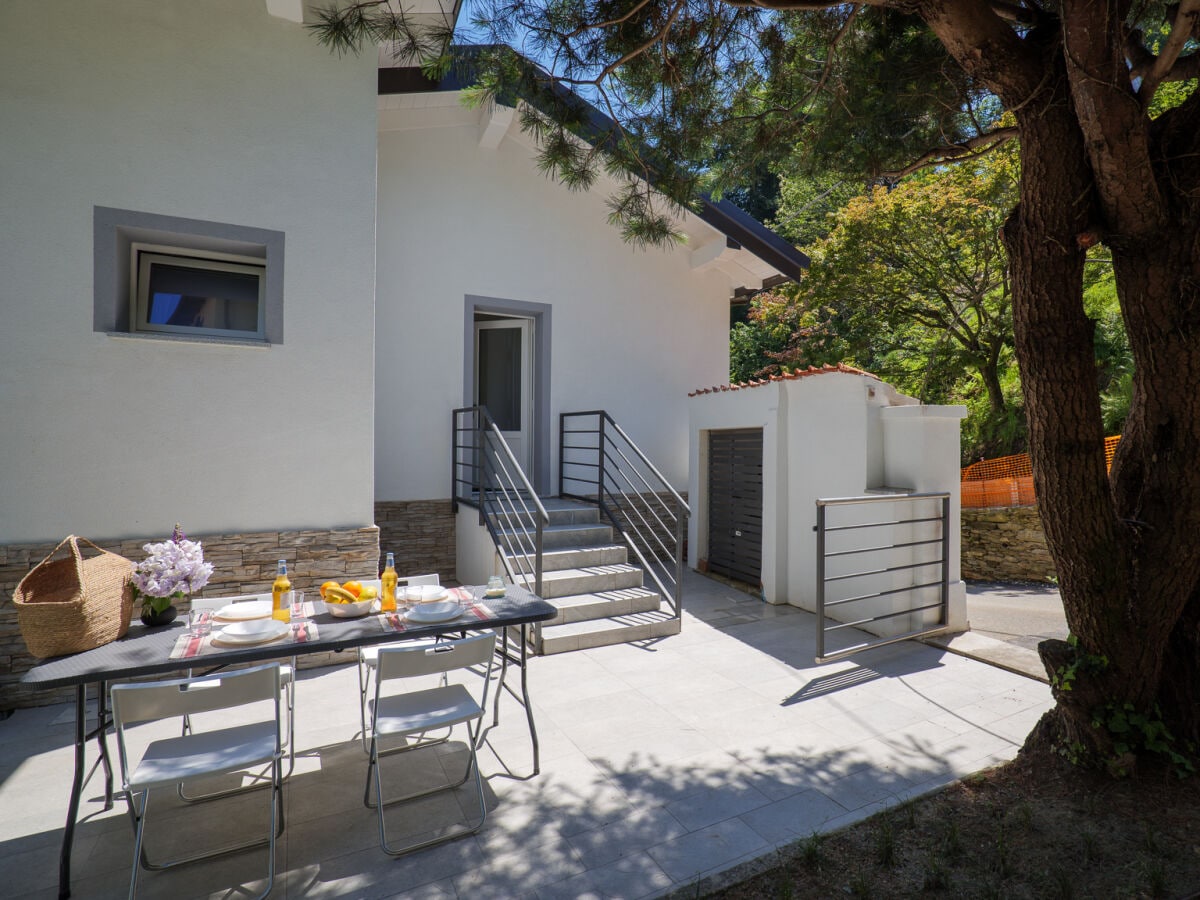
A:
[881,642]
[905,567]
[882,498]
[903,612]
[878,549]
[879,524]
[911,587]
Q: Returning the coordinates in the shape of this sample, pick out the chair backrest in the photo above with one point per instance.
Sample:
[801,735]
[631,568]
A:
[411,662]
[431,578]
[149,701]
[212,604]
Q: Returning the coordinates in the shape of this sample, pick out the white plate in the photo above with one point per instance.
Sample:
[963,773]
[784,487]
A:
[253,632]
[425,593]
[435,612]
[247,609]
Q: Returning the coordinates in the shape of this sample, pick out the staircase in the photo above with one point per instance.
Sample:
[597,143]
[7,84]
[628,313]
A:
[600,596]
[608,552]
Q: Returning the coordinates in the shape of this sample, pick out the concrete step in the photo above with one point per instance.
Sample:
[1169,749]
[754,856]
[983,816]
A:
[611,630]
[588,580]
[570,512]
[565,536]
[604,604]
[574,558]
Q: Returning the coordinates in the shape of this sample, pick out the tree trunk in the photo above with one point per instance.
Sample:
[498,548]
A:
[1126,552]
[1093,164]
[989,371]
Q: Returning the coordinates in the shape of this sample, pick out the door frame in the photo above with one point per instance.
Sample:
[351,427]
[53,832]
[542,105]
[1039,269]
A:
[520,441]
[541,434]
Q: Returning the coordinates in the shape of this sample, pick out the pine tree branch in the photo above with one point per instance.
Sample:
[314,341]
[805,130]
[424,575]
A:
[980,145]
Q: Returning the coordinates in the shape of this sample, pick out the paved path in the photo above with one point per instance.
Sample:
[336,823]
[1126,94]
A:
[1008,620]
[665,765]
[1022,614]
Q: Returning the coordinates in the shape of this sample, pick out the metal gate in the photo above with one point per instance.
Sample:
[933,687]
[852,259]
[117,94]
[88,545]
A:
[735,503]
[867,555]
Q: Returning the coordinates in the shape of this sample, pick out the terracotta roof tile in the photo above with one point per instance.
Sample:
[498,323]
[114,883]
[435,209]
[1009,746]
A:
[790,376]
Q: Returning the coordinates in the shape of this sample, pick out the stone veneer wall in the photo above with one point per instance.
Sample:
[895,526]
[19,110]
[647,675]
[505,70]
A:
[242,564]
[422,535]
[1005,545]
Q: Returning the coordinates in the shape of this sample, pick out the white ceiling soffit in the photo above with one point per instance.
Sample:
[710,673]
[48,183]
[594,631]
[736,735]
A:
[431,13]
[292,10]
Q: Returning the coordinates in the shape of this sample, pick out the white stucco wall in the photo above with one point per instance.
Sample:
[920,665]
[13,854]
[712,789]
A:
[632,331]
[921,452]
[212,111]
[828,450]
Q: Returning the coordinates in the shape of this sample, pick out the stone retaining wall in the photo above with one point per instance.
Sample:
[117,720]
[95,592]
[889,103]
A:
[1005,544]
[242,564]
[421,534]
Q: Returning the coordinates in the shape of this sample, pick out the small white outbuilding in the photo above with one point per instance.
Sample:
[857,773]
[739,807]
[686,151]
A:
[763,453]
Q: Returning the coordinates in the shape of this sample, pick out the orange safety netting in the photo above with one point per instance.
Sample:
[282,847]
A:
[1008,480]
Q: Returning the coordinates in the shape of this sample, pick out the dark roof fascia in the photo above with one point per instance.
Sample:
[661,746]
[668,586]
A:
[739,227]
[751,234]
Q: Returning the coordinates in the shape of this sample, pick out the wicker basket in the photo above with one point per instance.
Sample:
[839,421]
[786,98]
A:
[74,604]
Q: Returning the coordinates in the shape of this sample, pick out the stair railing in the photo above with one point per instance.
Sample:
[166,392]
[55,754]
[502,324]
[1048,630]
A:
[599,463]
[486,475]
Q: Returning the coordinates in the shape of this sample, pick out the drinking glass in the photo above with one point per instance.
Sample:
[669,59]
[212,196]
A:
[295,601]
[199,622]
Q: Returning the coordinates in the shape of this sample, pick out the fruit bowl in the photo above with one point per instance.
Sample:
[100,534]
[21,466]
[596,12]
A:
[349,610]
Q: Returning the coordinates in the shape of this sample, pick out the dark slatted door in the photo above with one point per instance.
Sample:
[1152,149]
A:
[735,502]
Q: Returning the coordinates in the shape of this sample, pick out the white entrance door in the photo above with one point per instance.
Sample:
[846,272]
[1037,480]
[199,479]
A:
[504,381]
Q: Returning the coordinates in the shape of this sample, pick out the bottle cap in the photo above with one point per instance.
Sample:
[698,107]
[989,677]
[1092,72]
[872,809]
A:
[391,560]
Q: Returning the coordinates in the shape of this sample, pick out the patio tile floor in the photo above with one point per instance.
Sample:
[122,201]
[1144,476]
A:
[663,762]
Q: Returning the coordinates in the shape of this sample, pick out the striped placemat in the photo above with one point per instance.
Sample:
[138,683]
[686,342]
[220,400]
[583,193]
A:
[394,621]
[188,646]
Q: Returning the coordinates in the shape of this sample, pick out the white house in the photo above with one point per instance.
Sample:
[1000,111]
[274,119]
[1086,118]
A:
[374,228]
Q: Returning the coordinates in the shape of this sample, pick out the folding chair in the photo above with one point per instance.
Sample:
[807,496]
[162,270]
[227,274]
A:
[167,762]
[287,679]
[368,656]
[414,713]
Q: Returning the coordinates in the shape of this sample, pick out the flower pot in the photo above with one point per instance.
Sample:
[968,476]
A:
[155,619]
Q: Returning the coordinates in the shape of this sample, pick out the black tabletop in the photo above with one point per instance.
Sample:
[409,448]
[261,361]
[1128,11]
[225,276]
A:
[146,651]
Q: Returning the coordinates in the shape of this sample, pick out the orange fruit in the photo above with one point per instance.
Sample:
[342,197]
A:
[354,587]
[328,584]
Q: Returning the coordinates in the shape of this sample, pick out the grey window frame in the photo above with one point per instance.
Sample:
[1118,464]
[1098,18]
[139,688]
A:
[114,231]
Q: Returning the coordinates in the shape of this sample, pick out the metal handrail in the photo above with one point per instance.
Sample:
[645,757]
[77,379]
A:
[943,562]
[628,489]
[485,474]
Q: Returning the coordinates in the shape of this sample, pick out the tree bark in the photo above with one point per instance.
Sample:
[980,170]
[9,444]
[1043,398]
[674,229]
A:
[989,371]
[1126,549]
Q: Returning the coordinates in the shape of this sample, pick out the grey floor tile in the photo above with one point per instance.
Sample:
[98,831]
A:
[711,805]
[698,852]
[643,827]
[793,817]
[629,878]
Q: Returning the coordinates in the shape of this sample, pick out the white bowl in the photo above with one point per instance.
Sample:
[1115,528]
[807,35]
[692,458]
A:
[350,610]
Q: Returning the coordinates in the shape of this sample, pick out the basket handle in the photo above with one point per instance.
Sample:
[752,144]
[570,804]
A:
[73,540]
[75,546]
[69,539]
